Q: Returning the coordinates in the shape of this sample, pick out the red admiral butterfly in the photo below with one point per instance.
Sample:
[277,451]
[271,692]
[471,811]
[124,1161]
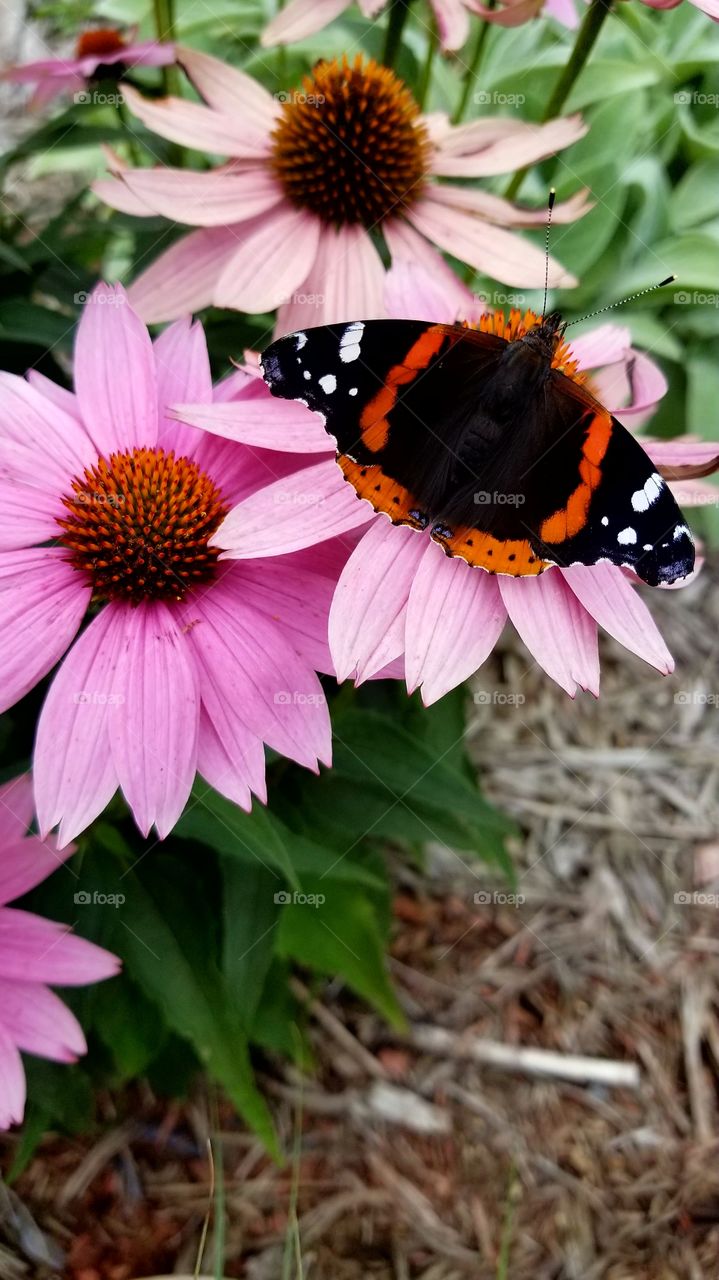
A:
[489,439]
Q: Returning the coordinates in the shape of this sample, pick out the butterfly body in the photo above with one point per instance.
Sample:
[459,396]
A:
[481,439]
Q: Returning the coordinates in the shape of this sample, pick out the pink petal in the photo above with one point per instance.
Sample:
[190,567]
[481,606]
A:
[244,658]
[284,425]
[115,373]
[524,145]
[39,1022]
[345,281]
[226,89]
[16,811]
[455,616]
[25,863]
[116,193]
[559,633]
[73,770]
[27,515]
[42,426]
[297,598]
[306,507]
[183,373]
[563,11]
[192,124]
[414,257]
[233,772]
[710,7]
[34,949]
[606,344]
[681,452]
[257,278]
[43,597]
[59,396]
[183,278]
[367,618]
[234,385]
[694,493]
[301,18]
[213,199]
[608,596]
[12,1081]
[497,253]
[495,209]
[647,384]
[153,725]
[452,23]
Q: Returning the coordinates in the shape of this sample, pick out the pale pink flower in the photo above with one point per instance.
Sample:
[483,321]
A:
[710,7]
[302,18]
[95,49]
[107,503]
[400,598]
[34,954]
[287,223]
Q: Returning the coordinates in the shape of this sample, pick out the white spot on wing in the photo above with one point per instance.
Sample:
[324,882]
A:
[353,391]
[300,340]
[643,498]
[605,520]
[350,342]
[308,375]
[680,531]
[627,537]
[328,383]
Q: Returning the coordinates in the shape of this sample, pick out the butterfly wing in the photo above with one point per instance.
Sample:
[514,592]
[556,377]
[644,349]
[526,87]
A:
[510,464]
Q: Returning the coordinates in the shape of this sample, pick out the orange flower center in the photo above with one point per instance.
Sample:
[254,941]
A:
[516,325]
[350,146]
[96,43]
[138,524]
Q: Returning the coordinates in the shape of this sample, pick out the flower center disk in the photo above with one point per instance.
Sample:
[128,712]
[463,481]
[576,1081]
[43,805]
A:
[139,523]
[350,147]
[95,43]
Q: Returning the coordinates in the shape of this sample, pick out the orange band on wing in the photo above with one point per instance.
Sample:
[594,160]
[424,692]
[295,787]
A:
[385,494]
[482,551]
[569,520]
[373,419]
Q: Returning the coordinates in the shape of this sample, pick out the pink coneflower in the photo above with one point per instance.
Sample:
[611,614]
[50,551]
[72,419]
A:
[95,50]
[184,665]
[710,7]
[400,597]
[35,952]
[301,18]
[288,222]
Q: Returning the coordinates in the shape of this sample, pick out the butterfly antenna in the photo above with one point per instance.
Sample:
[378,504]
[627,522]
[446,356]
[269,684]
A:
[550,206]
[623,301]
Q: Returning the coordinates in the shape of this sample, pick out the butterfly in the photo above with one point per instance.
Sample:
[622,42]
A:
[482,439]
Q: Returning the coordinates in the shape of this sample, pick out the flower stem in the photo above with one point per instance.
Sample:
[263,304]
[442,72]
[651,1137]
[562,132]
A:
[165,31]
[426,79]
[592,23]
[398,11]
[473,68]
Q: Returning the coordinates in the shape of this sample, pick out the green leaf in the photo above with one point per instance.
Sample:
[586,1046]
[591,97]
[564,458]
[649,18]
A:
[253,837]
[332,928]
[251,916]
[22,321]
[129,1025]
[695,199]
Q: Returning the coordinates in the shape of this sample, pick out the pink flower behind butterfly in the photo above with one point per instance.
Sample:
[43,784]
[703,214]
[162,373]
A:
[107,503]
[95,49]
[291,221]
[400,598]
[35,954]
